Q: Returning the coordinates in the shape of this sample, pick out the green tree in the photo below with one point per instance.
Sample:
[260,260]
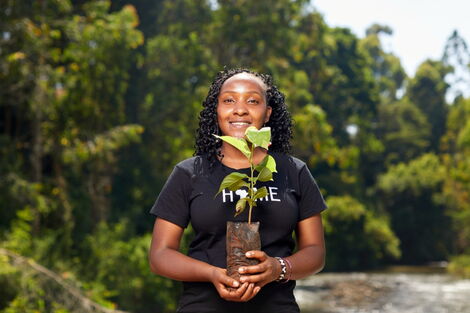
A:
[427,91]
[386,67]
[403,130]
[411,194]
[118,265]
[68,122]
[456,190]
[356,238]
[253,33]
[457,55]
[313,141]
[456,159]
[350,95]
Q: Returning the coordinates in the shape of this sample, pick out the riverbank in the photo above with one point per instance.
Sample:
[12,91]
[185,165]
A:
[398,290]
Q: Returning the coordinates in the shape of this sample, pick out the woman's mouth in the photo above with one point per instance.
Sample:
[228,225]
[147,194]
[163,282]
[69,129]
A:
[240,124]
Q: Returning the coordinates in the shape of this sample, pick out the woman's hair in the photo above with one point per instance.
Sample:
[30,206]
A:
[279,121]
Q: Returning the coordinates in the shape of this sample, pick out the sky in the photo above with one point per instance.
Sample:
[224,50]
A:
[420,27]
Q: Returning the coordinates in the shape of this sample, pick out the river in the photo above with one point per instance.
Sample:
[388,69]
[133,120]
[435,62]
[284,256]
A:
[400,290]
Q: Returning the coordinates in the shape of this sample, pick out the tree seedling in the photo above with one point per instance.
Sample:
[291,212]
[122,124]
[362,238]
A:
[261,172]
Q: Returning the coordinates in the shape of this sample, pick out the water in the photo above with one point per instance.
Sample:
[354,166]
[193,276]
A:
[389,292]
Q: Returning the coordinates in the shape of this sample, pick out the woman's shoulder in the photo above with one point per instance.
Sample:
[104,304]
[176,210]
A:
[193,165]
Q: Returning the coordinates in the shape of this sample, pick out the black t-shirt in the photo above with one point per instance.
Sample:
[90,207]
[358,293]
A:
[188,197]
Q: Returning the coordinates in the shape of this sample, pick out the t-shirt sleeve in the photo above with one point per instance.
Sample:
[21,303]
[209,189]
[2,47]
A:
[311,200]
[172,203]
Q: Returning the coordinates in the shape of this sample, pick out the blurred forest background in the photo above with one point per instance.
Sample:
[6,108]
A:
[99,100]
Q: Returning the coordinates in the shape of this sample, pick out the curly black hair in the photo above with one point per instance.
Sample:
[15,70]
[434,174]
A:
[280,120]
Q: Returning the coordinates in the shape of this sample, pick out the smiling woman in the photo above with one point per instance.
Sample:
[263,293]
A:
[279,120]
[242,103]
[239,99]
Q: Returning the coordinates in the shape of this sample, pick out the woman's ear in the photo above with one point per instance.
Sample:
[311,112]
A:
[268,113]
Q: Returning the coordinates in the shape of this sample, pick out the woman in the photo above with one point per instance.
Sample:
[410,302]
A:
[238,99]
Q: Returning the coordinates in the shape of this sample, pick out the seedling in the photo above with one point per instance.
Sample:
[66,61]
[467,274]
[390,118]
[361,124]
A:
[264,170]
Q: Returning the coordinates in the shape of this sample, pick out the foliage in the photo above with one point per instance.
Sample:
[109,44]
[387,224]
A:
[253,138]
[356,238]
[427,91]
[460,265]
[403,130]
[313,141]
[457,55]
[456,190]
[411,193]
[118,269]
[40,289]
[386,67]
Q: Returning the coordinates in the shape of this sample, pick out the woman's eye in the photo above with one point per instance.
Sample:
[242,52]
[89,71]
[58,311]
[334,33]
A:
[228,100]
[253,101]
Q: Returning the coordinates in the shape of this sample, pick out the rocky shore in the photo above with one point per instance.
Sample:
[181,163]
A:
[391,292]
[329,294]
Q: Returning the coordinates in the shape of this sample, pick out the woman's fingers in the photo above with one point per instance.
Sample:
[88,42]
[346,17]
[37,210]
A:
[219,276]
[258,279]
[253,269]
[261,267]
[257,254]
[230,289]
[236,295]
[254,277]
[249,293]
[263,273]
[229,281]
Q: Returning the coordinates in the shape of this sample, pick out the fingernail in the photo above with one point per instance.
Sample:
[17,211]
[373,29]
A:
[257,289]
[242,279]
[241,269]
[235,284]
[248,254]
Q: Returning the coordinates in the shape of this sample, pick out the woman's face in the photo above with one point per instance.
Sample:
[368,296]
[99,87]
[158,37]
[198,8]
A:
[242,103]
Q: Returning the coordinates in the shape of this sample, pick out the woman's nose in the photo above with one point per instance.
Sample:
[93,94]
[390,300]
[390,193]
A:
[240,108]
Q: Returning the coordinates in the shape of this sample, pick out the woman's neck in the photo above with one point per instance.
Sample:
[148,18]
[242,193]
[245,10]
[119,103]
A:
[234,158]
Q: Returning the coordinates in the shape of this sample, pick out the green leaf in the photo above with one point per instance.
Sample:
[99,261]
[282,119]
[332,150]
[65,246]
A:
[271,164]
[262,164]
[267,162]
[240,206]
[238,143]
[233,182]
[252,203]
[260,138]
[238,185]
[265,175]
[261,193]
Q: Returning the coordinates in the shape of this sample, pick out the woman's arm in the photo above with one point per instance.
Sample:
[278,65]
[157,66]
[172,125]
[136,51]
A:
[309,258]
[166,260]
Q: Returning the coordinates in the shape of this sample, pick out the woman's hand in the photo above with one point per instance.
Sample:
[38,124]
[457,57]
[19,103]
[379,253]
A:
[231,290]
[265,272]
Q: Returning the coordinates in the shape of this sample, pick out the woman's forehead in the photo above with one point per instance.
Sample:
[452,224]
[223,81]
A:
[246,77]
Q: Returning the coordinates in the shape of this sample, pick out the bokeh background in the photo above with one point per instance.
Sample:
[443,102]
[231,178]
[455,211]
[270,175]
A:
[100,99]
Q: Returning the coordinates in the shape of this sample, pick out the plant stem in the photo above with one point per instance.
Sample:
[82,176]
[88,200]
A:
[251,184]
